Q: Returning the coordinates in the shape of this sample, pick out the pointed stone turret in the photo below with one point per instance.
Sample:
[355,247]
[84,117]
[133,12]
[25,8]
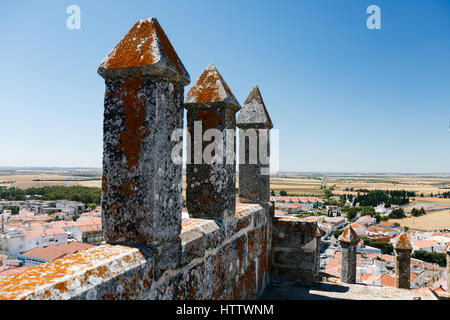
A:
[254,149]
[402,242]
[447,249]
[211,90]
[210,169]
[254,113]
[403,251]
[144,51]
[348,240]
[141,186]
[349,236]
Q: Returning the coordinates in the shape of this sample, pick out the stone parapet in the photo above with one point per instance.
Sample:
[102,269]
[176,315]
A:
[213,263]
[295,251]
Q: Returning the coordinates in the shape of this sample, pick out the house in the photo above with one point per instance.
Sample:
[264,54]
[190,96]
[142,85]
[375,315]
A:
[333,211]
[29,236]
[427,245]
[387,224]
[41,255]
[359,229]
[366,221]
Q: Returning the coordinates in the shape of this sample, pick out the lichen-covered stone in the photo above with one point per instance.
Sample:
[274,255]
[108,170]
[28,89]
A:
[349,236]
[145,51]
[210,187]
[348,240]
[447,249]
[295,251]
[348,262]
[141,187]
[83,274]
[403,251]
[402,242]
[253,113]
[254,178]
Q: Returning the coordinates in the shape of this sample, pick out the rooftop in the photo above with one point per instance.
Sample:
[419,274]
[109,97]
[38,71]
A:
[59,251]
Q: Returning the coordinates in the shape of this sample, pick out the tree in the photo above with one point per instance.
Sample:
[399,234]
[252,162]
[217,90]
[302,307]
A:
[351,213]
[368,211]
[386,247]
[328,193]
[432,257]
[337,233]
[14,209]
[397,214]
[283,193]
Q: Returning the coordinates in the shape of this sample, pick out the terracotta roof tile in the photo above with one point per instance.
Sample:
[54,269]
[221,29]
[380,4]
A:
[59,251]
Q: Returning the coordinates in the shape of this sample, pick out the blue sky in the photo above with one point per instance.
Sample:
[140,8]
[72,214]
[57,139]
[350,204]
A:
[345,98]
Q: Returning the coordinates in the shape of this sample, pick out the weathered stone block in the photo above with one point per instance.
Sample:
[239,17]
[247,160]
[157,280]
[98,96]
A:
[210,183]
[141,186]
[254,171]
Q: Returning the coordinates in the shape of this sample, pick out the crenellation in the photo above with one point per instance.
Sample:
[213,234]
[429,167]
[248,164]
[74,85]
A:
[403,250]
[141,194]
[225,250]
[348,240]
[211,183]
[254,142]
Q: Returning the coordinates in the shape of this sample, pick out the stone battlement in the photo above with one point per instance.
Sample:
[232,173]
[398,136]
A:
[226,249]
[214,262]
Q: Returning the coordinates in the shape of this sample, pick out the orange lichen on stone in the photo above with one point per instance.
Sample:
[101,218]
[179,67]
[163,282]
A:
[402,242]
[134,110]
[135,49]
[188,224]
[167,48]
[209,118]
[67,275]
[210,87]
[349,236]
[142,46]
[127,187]
[104,184]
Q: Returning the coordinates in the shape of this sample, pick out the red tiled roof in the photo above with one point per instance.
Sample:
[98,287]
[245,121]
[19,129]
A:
[425,243]
[59,251]
[386,280]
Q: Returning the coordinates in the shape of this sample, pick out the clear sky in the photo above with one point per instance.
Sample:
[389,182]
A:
[345,98]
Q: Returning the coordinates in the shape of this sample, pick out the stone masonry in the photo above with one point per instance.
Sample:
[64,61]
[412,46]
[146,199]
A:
[403,250]
[141,187]
[151,252]
[211,187]
[254,174]
[348,240]
[295,251]
[447,250]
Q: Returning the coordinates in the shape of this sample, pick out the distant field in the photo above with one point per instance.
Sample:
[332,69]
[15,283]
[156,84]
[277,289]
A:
[296,185]
[425,184]
[302,184]
[56,178]
[435,220]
